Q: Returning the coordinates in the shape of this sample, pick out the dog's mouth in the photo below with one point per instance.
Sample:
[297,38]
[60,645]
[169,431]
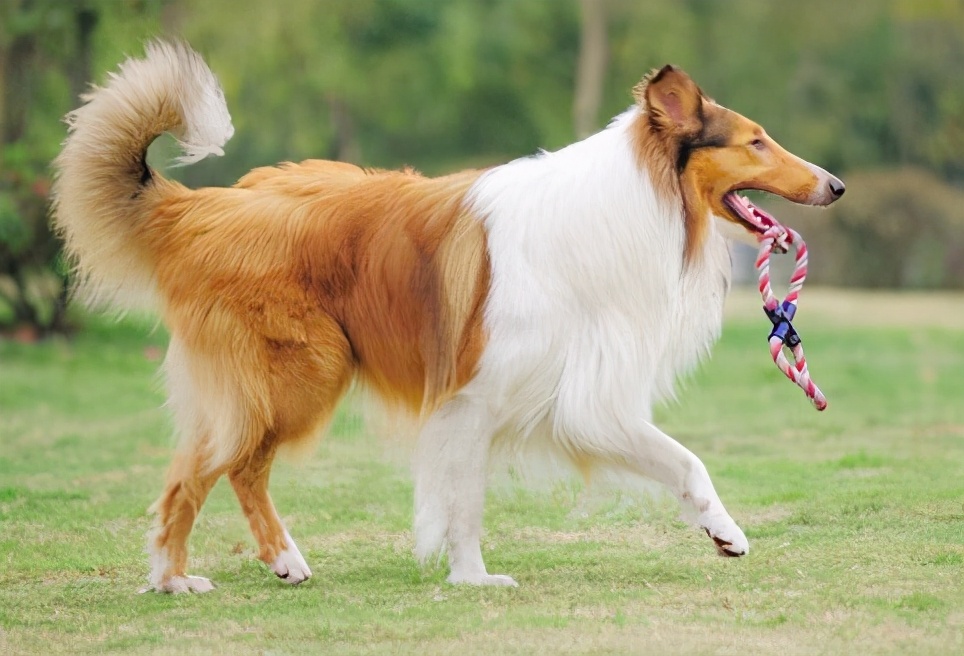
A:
[749,215]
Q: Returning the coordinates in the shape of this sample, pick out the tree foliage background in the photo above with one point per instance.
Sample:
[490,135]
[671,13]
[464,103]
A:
[872,91]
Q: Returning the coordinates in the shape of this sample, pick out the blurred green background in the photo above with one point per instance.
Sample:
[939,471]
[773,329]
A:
[872,91]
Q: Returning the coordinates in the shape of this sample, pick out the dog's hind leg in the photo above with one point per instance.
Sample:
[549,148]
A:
[188,483]
[306,382]
[276,548]
[451,468]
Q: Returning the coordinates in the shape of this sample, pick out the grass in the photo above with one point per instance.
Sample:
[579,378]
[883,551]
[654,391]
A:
[855,517]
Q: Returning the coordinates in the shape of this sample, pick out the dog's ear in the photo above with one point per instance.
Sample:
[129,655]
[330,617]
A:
[672,100]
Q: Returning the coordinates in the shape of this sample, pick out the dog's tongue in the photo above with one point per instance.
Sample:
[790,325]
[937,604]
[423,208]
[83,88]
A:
[752,214]
[762,221]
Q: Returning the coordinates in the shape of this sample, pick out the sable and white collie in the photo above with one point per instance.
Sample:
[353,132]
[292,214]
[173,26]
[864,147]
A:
[546,302]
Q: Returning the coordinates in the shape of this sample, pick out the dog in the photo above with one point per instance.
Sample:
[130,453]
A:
[547,302]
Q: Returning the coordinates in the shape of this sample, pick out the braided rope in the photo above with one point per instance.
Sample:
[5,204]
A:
[781,314]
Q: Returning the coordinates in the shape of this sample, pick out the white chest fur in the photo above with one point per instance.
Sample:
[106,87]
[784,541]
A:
[592,314]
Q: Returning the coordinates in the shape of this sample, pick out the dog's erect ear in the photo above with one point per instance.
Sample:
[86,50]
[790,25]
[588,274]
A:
[672,100]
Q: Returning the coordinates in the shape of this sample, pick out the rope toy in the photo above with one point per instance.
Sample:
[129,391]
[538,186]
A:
[782,238]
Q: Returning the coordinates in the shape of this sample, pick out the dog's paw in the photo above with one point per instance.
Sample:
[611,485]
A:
[291,566]
[499,580]
[181,584]
[726,535]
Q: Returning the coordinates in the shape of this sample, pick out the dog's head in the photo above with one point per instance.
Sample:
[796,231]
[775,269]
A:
[717,153]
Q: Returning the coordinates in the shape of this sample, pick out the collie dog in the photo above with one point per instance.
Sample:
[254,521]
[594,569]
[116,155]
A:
[546,302]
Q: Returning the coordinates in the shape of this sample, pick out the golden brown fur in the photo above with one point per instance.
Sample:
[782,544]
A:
[282,290]
[697,151]
[316,253]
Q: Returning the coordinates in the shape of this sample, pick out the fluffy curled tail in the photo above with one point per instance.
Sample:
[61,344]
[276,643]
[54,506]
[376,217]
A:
[104,193]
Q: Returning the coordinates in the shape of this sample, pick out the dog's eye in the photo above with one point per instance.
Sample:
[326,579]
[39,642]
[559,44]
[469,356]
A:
[758,144]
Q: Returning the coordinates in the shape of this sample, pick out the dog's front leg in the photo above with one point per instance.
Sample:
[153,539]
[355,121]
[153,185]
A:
[659,457]
[451,469]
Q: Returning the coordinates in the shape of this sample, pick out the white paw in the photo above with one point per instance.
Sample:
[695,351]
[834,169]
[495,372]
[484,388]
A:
[483,579]
[290,565]
[180,584]
[726,535]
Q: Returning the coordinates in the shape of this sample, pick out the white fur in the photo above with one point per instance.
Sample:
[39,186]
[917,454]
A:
[591,318]
[290,565]
[162,581]
[181,584]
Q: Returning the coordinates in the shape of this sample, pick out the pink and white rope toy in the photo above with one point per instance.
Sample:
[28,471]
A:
[774,236]
[781,314]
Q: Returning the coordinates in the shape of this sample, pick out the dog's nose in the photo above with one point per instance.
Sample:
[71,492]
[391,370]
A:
[837,187]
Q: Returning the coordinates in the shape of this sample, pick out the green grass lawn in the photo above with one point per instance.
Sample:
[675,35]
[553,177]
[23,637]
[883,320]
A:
[855,518]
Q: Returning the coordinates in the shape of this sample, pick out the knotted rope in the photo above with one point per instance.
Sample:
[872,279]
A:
[781,314]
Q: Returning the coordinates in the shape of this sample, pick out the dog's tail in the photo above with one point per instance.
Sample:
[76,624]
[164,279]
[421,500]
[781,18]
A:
[105,196]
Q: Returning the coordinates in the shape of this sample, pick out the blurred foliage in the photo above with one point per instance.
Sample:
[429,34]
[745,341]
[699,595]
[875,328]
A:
[48,52]
[901,227]
[442,84]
